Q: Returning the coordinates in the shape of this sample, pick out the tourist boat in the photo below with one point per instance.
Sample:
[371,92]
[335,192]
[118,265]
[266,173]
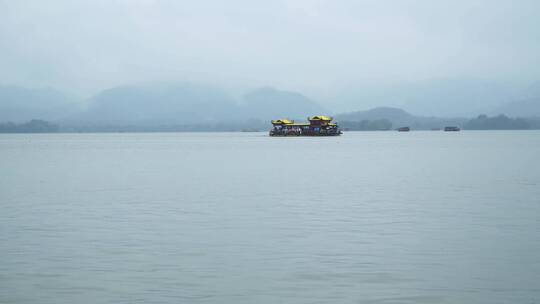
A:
[404,129]
[451,129]
[316,126]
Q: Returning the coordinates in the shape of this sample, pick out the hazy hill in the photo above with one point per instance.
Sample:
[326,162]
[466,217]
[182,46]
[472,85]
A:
[499,122]
[392,114]
[398,118]
[444,97]
[189,103]
[159,104]
[269,103]
[18,104]
[454,97]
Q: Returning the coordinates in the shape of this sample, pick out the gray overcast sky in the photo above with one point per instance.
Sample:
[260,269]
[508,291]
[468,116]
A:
[314,46]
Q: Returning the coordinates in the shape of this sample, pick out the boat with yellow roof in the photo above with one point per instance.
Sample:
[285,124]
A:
[316,126]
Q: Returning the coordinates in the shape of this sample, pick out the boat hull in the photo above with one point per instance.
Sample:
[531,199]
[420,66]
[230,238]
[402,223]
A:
[303,135]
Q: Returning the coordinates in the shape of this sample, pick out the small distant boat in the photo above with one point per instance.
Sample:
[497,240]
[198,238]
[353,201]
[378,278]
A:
[451,129]
[404,129]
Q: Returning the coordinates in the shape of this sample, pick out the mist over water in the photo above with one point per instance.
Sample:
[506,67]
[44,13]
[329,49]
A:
[439,58]
[374,217]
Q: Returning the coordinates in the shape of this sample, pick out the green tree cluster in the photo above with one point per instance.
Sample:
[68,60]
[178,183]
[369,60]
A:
[33,126]
[500,122]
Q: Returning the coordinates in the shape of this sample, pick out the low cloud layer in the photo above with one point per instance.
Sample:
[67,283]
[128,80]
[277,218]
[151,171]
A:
[318,47]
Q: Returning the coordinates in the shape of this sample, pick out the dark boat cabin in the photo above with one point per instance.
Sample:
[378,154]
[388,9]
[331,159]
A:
[317,126]
[319,120]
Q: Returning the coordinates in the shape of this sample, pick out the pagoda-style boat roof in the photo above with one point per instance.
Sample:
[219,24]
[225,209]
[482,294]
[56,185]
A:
[305,124]
[282,122]
[321,118]
[291,123]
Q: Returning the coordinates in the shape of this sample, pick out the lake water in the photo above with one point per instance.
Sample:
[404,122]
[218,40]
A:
[368,217]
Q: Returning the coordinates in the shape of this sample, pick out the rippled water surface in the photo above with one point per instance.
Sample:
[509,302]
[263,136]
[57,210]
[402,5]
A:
[368,217]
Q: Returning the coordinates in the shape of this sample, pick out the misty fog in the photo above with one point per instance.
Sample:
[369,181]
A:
[432,58]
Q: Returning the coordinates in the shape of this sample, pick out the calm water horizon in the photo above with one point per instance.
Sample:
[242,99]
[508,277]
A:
[367,217]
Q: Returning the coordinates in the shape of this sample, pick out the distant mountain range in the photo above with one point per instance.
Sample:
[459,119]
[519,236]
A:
[157,104]
[187,103]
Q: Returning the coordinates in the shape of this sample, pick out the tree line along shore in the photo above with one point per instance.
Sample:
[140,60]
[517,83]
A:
[482,122]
